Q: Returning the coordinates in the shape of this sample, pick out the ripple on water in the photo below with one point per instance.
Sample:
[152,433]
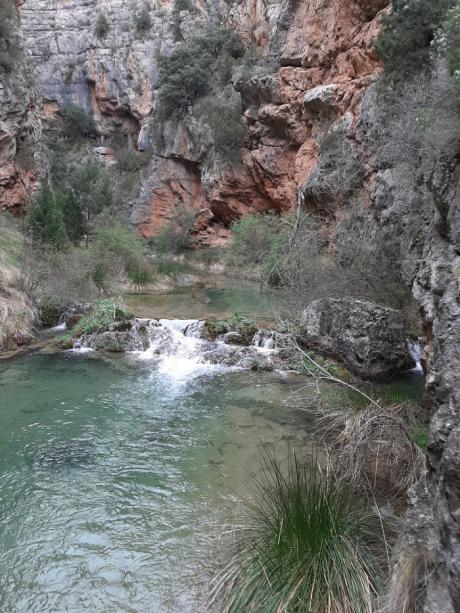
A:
[110,492]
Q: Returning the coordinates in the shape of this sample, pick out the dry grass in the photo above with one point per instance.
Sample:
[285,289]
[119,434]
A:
[375,443]
[407,585]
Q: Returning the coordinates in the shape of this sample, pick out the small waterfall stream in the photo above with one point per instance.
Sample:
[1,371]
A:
[181,347]
[415,348]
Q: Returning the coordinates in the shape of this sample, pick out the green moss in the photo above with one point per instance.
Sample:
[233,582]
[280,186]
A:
[419,436]
[244,327]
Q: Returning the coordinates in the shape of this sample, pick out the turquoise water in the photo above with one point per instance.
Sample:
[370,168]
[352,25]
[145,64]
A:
[214,300]
[116,478]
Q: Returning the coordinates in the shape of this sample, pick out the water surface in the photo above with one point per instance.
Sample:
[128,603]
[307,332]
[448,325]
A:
[116,478]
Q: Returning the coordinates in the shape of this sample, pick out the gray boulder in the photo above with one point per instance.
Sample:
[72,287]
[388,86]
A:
[368,338]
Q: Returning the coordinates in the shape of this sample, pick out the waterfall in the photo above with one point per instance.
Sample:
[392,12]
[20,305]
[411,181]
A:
[415,348]
[180,347]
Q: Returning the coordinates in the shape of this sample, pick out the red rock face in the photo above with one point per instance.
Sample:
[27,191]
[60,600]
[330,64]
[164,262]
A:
[327,62]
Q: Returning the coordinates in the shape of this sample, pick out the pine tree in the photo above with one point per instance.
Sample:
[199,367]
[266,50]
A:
[46,220]
[72,214]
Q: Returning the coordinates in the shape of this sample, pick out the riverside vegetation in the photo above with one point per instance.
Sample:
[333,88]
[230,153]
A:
[312,538]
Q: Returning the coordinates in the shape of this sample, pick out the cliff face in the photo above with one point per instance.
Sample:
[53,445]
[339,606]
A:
[20,125]
[325,59]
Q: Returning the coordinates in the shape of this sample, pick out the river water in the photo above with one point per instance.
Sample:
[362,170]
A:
[118,475]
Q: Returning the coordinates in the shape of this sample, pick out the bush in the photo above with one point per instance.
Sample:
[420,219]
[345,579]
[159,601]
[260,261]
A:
[103,313]
[46,221]
[102,27]
[175,237]
[224,118]
[186,74]
[307,542]
[77,123]
[117,247]
[9,49]
[404,43]
[72,214]
[143,21]
[132,161]
[337,174]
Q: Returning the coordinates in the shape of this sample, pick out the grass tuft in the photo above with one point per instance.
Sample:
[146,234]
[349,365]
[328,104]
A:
[308,544]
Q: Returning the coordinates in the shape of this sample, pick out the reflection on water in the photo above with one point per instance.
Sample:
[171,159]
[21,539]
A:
[113,475]
[203,301]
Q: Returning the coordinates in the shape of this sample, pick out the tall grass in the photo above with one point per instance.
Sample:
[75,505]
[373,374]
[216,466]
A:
[308,544]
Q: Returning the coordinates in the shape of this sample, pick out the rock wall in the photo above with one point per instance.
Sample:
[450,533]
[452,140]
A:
[325,63]
[20,124]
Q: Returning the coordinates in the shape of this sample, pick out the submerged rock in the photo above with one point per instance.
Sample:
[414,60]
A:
[368,338]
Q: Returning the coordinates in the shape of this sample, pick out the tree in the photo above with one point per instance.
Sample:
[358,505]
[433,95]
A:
[72,214]
[91,187]
[404,43]
[46,220]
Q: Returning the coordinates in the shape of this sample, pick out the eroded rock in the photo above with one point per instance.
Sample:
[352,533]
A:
[368,338]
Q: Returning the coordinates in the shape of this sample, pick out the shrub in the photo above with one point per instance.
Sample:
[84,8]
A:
[91,186]
[117,246]
[101,27]
[132,161]
[175,237]
[337,174]
[77,123]
[143,21]
[307,542]
[9,49]
[404,43]
[72,214]
[224,118]
[46,221]
[103,313]
[186,74]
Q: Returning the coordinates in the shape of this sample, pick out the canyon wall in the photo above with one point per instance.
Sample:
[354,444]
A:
[320,73]
[323,63]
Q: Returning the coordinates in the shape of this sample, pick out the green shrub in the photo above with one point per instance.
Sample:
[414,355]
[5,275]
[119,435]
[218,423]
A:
[119,245]
[187,73]
[46,221]
[9,49]
[143,21]
[91,186]
[101,27]
[224,118]
[307,542]
[72,214]
[77,123]
[448,40]
[103,313]
[175,237]
[132,161]
[404,43]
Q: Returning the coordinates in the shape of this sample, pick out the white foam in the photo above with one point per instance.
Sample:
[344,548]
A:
[59,328]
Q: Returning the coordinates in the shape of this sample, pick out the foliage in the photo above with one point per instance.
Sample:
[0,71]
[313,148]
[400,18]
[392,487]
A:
[337,174]
[102,26]
[175,237]
[9,49]
[132,161]
[308,543]
[77,123]
[404,43]
[224,119]
[91,186]
[142,20]
[103,313]
[74,222]
[448,40]
[186,74]
[46,221]
[117,245]
[244,327]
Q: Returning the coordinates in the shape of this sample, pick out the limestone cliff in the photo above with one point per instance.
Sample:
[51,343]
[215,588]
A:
[323,64]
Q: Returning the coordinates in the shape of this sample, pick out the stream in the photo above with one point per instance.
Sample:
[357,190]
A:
[119,474]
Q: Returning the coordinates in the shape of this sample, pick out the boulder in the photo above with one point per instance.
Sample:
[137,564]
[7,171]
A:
[368,338]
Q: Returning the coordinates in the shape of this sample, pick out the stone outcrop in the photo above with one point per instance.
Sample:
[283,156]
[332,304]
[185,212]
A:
[114,76]
[368,338]
[20,125]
